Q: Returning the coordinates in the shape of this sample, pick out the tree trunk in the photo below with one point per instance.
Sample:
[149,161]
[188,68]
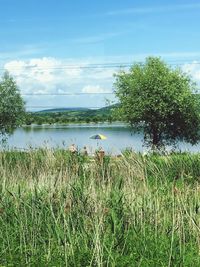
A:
[155,138]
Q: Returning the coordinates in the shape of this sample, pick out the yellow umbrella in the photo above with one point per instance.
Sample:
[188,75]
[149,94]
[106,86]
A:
[98,137]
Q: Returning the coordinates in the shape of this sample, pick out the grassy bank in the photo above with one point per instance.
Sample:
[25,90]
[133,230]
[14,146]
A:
[62,210]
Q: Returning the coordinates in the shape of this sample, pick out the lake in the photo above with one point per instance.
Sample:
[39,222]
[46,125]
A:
[119,136]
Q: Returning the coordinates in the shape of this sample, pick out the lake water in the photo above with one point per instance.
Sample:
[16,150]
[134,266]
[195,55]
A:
[119,136]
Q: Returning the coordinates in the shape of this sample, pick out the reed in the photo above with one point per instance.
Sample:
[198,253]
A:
[58,209]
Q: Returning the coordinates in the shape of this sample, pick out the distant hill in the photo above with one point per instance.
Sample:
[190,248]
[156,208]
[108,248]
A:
[60,110]
[78,110]
[67,115]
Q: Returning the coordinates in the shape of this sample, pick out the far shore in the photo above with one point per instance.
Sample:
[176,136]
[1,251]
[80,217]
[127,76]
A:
[77,123]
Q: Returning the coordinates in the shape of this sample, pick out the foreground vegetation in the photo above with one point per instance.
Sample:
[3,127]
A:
[58,209]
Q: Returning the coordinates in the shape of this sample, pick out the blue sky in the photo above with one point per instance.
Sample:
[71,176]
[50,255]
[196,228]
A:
[40,40]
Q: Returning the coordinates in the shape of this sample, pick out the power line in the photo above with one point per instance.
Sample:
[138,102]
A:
[72,94]
[96,66]
[66,108]
[63,107]
[65,94]
[89,66]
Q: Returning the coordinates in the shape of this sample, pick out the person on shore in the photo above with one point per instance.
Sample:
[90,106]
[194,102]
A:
[84,151]
[100,153]
[73,149]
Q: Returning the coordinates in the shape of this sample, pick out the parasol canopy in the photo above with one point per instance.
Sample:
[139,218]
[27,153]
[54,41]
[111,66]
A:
[98,137]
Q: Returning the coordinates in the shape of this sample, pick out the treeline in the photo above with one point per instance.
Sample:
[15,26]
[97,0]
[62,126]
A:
[64,118]
[75,115]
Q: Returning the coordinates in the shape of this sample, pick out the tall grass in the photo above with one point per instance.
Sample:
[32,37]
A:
[58,209]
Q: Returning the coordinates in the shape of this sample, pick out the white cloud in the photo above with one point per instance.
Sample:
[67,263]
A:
[50,75]
[41,80]
[42,74]
[15,66]
[193,69]
[94,89]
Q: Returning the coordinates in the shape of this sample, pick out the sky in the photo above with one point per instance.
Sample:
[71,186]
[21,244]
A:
[62,53]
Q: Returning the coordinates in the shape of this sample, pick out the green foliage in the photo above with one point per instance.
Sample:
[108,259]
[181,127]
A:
[63,209]
[159,99]
[71,116]
[12,107]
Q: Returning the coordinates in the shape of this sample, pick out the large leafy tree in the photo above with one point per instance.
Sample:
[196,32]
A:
[12,107]
[161,100]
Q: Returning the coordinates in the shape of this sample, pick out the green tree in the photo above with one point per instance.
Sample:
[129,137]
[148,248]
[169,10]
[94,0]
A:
[29,118]
[87,120]
[161,100]
[12,107]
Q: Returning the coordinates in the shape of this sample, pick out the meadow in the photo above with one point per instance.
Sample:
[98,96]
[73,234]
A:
[59,209]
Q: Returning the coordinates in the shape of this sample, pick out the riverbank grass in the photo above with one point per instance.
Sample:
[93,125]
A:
[58,209]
